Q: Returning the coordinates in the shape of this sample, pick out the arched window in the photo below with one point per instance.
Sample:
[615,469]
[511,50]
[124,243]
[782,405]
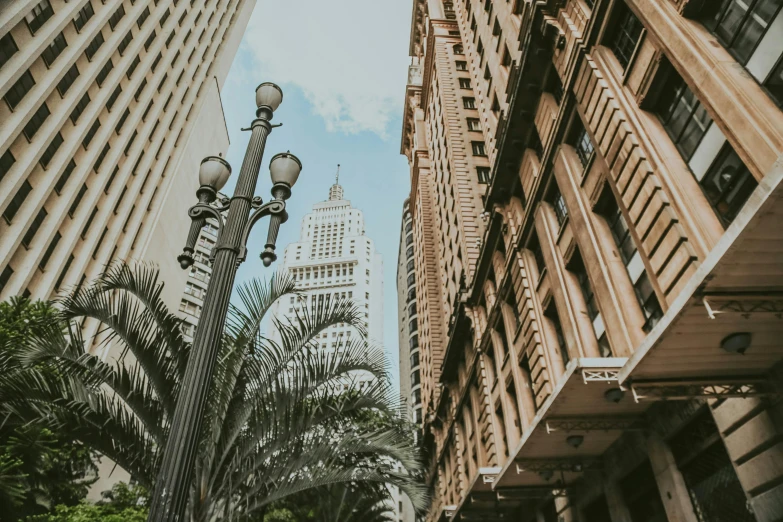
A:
[458,49]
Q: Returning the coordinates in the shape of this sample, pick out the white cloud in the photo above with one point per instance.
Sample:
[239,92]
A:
[349,57]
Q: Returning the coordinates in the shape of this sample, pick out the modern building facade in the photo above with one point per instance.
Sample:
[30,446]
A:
[407,319]
[595,203]
[108,108]
[334,259]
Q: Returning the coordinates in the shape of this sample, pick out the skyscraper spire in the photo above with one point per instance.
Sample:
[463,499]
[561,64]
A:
[336,191]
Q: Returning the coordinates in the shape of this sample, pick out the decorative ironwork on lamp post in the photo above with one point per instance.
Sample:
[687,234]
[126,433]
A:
[172,487]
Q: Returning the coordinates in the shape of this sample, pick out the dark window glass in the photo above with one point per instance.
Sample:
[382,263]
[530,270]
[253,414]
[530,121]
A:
[119,200]
[84,14]
[38,15]
[19,90]
[91,133]
[740,24]
[6,161]
[607,207]
[458,49]
[67,80]
[125,42]
[58,187]
[49,251]
[104,72]
[150,39]
[469,103]
[478,148]
[111,180]
[556,200]
[682,115]
[728,184]
[170,38]
[135,63]
[156,62]
[474,124]
[113,97]
[8,48]
[77,201]
[89,222]
[641,495]
[101,157]
[464,83]
[36,121]
[774,84]
[554,318]
[64,272]
[577,267]
[164,17]
[100,242]
[582,142]
[34,226]
[116,16]
[627,30]
[54,49]
[651,308]
[51,150]
[79,109]
[94,46]
[143,17]
[5,276]
[483,174]
[143,84]
[554,85]
[16,202]
[120,123]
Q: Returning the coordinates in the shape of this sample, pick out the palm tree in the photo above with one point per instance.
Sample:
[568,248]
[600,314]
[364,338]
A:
[283,417]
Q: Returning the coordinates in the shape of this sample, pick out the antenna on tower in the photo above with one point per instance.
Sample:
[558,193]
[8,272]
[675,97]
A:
[337,176]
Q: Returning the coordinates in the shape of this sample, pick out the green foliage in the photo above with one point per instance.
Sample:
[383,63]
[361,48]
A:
[123,503]
[283,418]
[38,469]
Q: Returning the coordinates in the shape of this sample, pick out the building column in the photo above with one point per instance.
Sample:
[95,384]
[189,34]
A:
[618,510]
[671,484]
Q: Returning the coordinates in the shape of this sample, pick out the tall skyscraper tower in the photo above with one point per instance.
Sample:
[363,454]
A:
[596,203]
[335,259]
[108,108]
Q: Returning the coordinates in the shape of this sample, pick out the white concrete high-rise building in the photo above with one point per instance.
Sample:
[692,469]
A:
[108,108]
[335,258]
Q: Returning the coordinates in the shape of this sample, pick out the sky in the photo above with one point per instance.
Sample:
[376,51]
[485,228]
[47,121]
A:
[342,66]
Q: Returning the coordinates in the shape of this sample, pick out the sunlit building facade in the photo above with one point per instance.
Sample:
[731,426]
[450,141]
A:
[595,202]
[108,108]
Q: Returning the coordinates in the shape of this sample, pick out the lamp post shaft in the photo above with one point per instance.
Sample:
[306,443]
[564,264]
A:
[172,487]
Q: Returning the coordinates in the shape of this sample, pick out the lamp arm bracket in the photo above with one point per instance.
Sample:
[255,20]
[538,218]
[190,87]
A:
[203,211]
[273,207]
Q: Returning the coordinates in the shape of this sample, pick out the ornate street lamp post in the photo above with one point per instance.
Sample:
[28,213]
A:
[173,483]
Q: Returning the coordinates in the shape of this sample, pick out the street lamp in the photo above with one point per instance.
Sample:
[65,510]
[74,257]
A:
[172,487]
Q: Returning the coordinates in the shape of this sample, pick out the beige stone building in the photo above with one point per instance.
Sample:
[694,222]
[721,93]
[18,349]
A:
[109,106]
[596,208]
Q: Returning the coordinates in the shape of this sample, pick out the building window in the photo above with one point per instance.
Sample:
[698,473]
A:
[16,202]
[58,187]
[461,65]
[143,17]
[464,83]
[94,46]
[8,48]
[469,103]
[582,143]
[478,148]
[474,124]
[67,80]
[54,49]
[77,201]
[19,90]
[125,42]
[5,276]
[739,25]
[577,267]
[77,111]
[6,162]
[83,16]
[113,98]
[150,39]
[774,84]
[608,209]
[64,272]
[558,203]
[104,72]
[483,174]
[38,15]
[36,121]
[51,150]
[89,222]
[554,319]
[651,308]
[116,16]
[99,243]
[627,31]
[91,133]
[682,115]
[728,184]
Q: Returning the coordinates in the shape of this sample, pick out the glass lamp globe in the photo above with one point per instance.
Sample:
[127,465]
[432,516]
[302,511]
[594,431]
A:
[214,172]
[269,95]
[285,168]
